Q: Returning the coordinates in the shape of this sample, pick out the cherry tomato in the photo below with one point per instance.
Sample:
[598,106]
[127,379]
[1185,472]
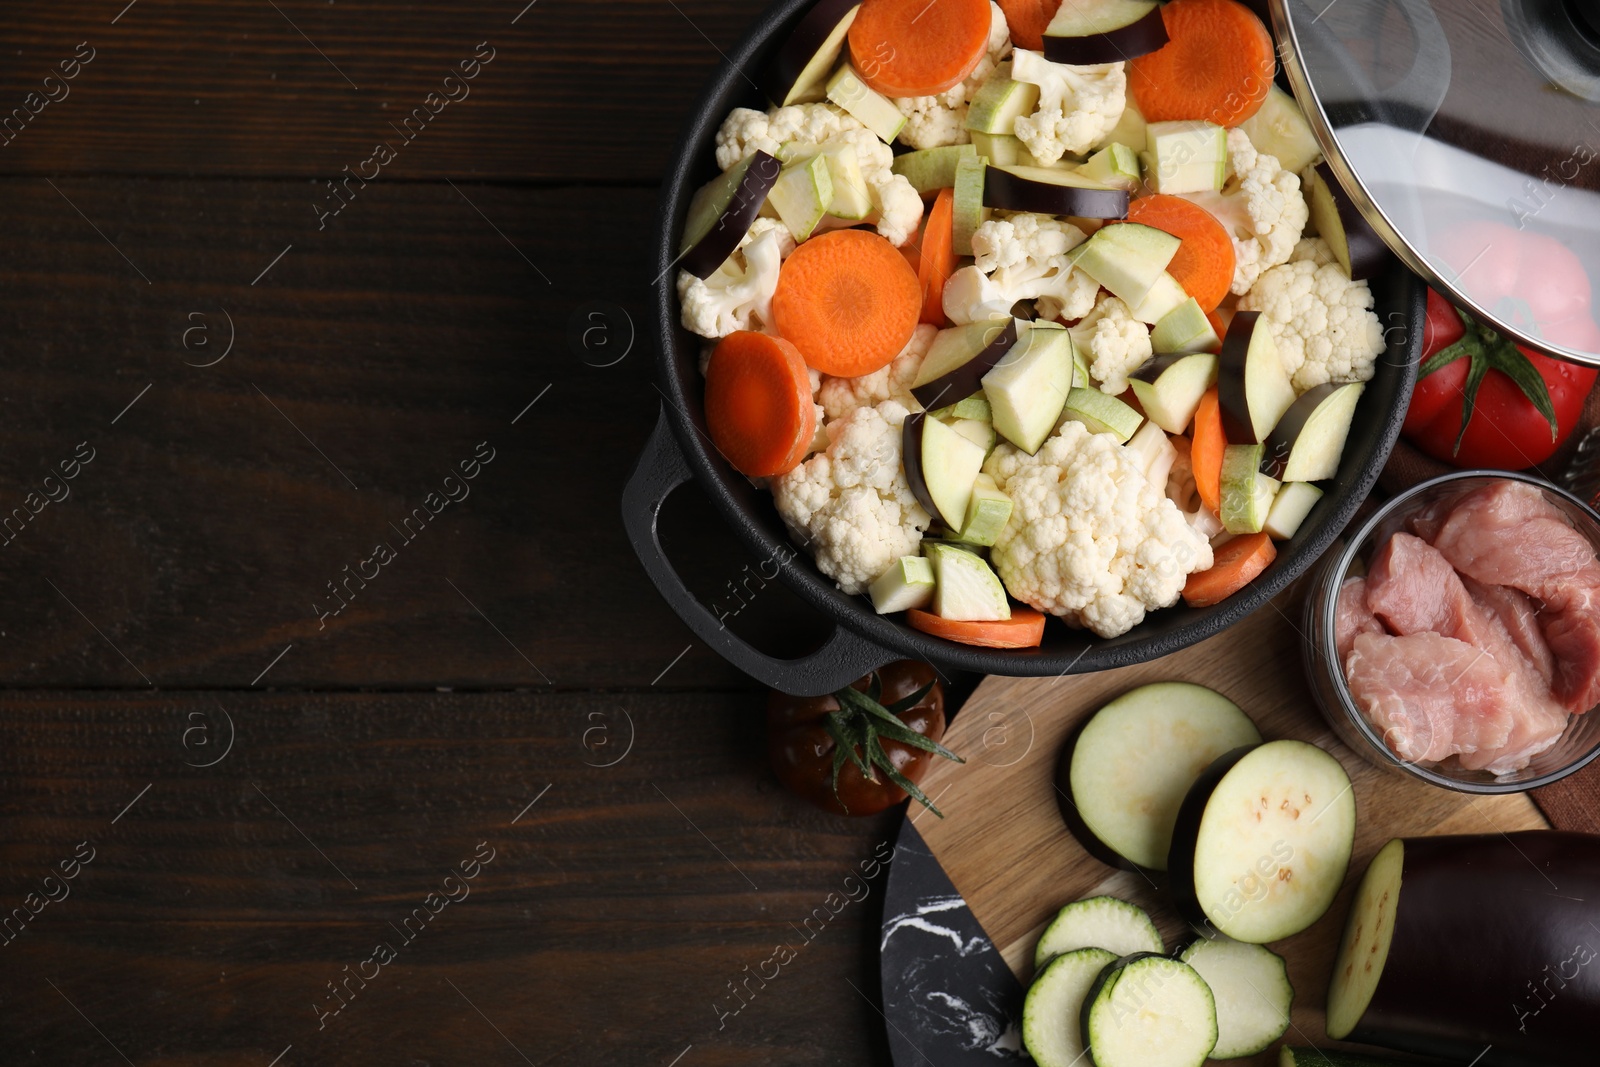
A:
[810,739]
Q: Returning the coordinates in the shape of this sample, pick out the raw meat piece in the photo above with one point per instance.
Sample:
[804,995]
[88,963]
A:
[1415,591]
[1430,696]
[1426,522]
[1507,533]
[1352,616]
[1574,637]
[1518,613]
[1539,723]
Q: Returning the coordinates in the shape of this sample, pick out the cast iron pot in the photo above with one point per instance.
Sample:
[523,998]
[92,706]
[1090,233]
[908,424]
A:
[679,449]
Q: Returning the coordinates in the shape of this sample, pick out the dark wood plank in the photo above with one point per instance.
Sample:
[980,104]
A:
[369,361]
[612,917]
[575,91]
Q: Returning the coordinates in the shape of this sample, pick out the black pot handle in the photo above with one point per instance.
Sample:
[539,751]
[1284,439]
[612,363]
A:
[843,657]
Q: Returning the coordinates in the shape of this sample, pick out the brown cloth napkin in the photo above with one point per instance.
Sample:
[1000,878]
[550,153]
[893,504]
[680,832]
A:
[1574,802]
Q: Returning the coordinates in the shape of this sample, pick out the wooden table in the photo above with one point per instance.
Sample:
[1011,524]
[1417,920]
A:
[259,347]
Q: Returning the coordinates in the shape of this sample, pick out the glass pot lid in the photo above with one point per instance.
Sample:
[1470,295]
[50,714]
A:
[1468,134]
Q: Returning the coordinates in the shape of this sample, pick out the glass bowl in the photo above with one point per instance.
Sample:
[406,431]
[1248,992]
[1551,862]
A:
[1578,745]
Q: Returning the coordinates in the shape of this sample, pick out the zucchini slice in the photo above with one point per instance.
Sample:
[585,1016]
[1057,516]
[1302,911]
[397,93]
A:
[1098,922]
[1050,1011]
[1149,1011]
[1252,990]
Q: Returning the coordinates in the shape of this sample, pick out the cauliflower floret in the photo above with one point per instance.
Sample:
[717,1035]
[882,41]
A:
[1262,208]
[1020,257]
[969,296]
[819,438]
[1078,105]
[932,121]
[897,207]
[1323,322]
[1090,538]
[851,505]
[1117,343]
[1185,494]
[1314,249]
[840,396]
[746,130]
[738,294]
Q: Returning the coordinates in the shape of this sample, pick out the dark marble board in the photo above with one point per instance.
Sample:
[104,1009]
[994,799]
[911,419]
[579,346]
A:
[948,997]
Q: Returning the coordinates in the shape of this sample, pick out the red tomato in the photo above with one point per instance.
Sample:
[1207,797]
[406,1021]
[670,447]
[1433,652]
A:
[805,734]
[1529,280]
[1506,428]
[1441,328]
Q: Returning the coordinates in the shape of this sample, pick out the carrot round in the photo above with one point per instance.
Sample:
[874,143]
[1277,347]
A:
[938,260]
[1237,562]
[918,47]
[1027,20]
[1205,453]
[1203,264]
[911,251]
[1217,65]
[848,300]
[1025,629]
[758,403]
[1219,324]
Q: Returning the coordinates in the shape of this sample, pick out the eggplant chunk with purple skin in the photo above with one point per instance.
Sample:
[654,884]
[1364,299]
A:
[1454,945]
[1339,222]
[721,212]
[1125,772]
[958,359]
[1308,440]
[1252,387]
[942,465]
[1052,191]
[798,72]
[1111,31]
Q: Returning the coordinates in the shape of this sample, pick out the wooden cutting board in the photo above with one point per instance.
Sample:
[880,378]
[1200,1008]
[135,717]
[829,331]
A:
[1005,847]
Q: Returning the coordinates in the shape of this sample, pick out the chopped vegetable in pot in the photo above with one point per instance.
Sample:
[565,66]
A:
[1066,356]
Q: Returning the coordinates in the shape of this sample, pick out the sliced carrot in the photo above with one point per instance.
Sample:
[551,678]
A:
[848,300]
[1203,264]
[1217,65]
[1028,19]
[912,249]
[1205,454]
[1219,324]
[1237,562]
[758,403]
[918,47]
[938,257]
[912,252]
[1025,629]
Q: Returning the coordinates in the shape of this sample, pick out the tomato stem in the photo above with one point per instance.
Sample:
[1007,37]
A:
[1485,350]
[860,725]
